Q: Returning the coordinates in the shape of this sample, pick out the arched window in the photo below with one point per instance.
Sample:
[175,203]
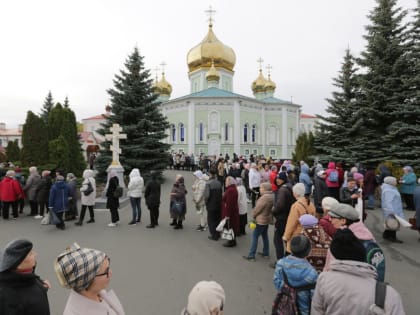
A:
[226,131]
[245,133]
[201,131]
[254,133]
[173,133]
[181,132]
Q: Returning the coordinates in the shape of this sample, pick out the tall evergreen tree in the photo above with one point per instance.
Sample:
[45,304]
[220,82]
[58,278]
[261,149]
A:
[335,132]
[34,141]
[62,123]
[136,109]
[383,90]
[46,108]
[405,130]
[13,151]
[304,150]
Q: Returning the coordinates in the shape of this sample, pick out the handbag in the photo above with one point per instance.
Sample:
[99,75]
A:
[227,233]
[89,189]
[413,222]
[177,207]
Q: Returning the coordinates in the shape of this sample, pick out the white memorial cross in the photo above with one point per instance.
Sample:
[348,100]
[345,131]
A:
[115,136]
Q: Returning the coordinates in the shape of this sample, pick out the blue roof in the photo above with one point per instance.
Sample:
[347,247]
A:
[275,100]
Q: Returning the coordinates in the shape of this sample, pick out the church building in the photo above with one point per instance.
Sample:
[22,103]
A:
[214,120]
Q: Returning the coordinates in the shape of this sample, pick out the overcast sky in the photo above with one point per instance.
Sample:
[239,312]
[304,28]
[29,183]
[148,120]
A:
[76,47]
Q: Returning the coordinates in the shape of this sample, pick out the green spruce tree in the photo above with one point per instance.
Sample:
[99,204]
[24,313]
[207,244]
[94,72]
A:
[136,109]
[382,88]
[335,132]
[304,150]
[34,141]
[46,108]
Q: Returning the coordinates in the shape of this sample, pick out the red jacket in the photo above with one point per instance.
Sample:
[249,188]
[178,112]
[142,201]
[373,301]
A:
[273,176]
[10,190]
[230,207]
[331,168]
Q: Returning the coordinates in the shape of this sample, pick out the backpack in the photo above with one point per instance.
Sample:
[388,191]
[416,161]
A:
[285,302]
[375,257]
[333,176]
[118,192]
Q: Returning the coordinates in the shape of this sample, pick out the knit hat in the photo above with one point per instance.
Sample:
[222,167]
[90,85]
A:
[343,210]
[329,202]
[77,267]
[204,297]
[282,176]
[198,174]
[390,180]
[346,246]
[358,176]
[14,253]
[308,220]
[299,189]
[300,246]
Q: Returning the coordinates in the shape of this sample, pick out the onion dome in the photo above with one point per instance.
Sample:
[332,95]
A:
[258,85]
[212,74]
[211,48]
[163,87]
[155,86]
[270,86]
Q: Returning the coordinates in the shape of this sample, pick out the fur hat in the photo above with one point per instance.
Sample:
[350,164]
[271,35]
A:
[299,189]
[343,210]
[300,246]
[204,297]
[346,246]
[77,267]
[14,253]
[329,202]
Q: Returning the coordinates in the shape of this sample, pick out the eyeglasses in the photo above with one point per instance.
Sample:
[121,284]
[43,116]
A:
[106,270]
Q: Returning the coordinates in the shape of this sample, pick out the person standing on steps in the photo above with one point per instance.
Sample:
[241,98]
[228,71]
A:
[112,202]
[87,199]
[135,192]
[178,205]
[152,198]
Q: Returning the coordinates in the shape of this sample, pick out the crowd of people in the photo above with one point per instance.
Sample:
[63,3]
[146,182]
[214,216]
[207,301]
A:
[317,214]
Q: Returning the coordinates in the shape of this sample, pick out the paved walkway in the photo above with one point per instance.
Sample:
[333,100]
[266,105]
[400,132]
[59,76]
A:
[154,270]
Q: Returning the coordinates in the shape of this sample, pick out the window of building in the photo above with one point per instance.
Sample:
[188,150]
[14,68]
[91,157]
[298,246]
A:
[246,152]
[273,153]
[245,133]
[201,132]
[173,133]
[226,131]
[254,133]
[181,132]
[255,152]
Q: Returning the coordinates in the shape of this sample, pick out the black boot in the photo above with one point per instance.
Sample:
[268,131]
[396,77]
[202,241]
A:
[79,223]
[173,223]
[91,220]
[82,216]
[178,226]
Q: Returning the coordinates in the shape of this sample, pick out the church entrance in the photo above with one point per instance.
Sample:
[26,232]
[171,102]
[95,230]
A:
[214,147]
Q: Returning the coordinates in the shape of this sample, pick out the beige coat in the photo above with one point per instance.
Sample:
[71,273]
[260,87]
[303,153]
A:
[293,227]
[198,189]
[262,211]
[77,304]
[349,288]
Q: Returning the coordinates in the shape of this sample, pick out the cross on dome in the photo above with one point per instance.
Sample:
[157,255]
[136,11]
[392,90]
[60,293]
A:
[260,61]
[269,67]
[163,65]
[210,13]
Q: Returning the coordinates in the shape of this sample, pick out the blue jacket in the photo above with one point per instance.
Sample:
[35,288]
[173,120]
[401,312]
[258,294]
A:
[391,201]
[409,183]
[305,179]
[299,273]
[59,197]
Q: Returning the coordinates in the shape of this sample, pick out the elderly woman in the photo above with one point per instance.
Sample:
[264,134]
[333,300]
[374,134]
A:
[43,191]
[22,291]
[408,184]
[205,298]
[10,191]
[59,200]
[87,273]
[71,213]
[230,208]
[198,189]
[301,206]
[178,204]
[325,222]
[88,196]
[30,189]
[391,205]
[113,202]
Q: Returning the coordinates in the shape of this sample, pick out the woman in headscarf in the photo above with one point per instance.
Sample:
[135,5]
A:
[178,205]
[87,272]
[88,196]
[230,209]
[71,213]
[59,200]
[135,192]
[408,184]
[205,298]
[391,205]
[112,202]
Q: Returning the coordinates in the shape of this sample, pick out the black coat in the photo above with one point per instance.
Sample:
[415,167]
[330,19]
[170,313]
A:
[22,294]
[285,200]
[43,189]
[152,194]
[320,191]
[213,195]
[112,202]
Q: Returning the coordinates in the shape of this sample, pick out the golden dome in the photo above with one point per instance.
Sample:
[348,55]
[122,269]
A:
[259,84]
[209,49]
[163,86]
[212,74]
[270,86]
